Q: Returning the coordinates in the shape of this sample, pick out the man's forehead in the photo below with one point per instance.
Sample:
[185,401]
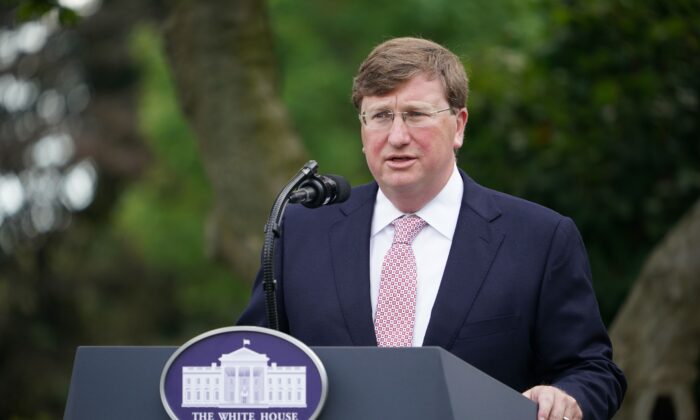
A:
[394,102]
[419,91]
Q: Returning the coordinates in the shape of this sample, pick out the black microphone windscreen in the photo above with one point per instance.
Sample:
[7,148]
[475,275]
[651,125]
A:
[343,188]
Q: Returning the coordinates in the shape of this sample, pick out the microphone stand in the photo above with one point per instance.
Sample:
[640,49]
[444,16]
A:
[272,232]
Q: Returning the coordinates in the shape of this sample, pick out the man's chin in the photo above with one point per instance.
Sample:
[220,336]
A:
[401,183]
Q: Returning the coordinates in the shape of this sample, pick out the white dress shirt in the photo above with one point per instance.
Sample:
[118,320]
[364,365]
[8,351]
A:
[431,247]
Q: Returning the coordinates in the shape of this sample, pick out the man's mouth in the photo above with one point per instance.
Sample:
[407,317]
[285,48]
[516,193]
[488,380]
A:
[400,161]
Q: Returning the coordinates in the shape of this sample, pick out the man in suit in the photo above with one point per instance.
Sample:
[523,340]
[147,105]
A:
[498,281]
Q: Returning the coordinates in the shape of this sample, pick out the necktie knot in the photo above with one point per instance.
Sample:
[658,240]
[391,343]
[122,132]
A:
[407,228]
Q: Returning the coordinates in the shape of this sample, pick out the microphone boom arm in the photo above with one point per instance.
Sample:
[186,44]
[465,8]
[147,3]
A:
[272,232]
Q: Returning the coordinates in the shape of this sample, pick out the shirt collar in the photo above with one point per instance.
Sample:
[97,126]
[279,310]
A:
[441,213]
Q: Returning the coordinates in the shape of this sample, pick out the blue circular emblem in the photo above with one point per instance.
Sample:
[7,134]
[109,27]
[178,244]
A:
[243,373]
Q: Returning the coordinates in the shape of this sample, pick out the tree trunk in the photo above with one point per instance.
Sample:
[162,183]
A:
[222,57]
[656,335]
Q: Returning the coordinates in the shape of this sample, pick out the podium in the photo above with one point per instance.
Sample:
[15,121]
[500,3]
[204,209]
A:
[363,383]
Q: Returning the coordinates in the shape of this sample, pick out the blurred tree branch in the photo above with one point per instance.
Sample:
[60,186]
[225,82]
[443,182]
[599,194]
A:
[225,72]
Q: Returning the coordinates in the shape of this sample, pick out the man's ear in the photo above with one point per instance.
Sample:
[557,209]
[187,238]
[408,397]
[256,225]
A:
[462,117]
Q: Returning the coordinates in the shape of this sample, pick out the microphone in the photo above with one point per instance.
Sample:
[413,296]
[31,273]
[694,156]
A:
[321,190]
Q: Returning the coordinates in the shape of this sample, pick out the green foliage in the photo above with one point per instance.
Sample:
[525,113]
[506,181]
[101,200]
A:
[33,9]
[68,17]
[132,272]
[27,10]
[164,215]
[603,128]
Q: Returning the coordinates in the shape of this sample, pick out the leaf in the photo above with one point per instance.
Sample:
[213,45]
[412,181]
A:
[33,9]
[68,17]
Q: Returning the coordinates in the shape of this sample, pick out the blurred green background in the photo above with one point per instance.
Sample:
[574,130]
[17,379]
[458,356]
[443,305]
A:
[590,108]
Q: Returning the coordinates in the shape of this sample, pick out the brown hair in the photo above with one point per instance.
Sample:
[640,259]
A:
[398,60]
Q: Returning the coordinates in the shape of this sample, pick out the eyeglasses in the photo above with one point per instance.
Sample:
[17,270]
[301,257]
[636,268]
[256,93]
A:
[383,119]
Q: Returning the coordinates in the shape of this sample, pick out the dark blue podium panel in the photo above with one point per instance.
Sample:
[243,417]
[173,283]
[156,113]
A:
[117,383]
[364,383]
[414,383]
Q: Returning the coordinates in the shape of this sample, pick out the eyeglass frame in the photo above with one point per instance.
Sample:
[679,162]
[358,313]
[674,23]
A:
[432,114]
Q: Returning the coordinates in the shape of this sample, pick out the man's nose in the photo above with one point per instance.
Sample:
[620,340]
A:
[398,132]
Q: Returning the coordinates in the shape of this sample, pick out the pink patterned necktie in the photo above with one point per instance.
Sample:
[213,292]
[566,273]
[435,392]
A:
[396,304]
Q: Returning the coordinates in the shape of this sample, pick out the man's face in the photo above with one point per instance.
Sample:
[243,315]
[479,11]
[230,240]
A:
[412,164]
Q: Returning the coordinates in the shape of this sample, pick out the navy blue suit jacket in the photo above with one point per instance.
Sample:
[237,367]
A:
[515,301]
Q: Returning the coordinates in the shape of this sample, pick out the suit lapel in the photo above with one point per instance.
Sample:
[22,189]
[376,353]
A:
[474,247]
[349,239]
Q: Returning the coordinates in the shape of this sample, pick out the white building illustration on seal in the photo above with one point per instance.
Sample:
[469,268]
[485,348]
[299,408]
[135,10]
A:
[244,379]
